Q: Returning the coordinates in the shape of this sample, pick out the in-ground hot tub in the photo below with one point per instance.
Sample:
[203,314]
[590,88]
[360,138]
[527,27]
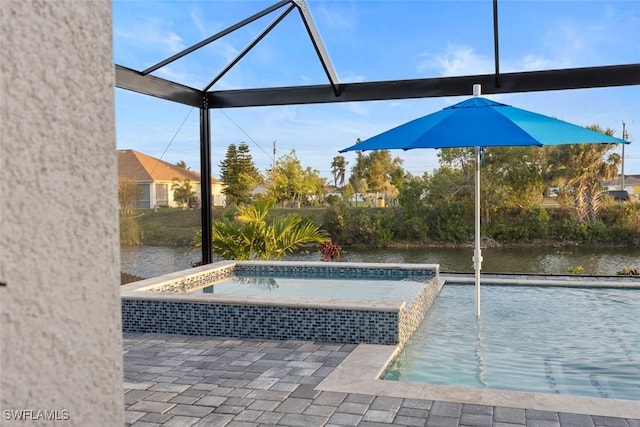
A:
[345,302]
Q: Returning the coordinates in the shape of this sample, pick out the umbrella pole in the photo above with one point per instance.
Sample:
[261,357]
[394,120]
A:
[477,255]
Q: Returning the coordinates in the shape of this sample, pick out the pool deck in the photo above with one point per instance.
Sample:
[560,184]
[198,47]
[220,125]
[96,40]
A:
[176,380]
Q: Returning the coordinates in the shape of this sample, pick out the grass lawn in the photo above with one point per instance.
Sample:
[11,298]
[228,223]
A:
[176,227]
[168,227]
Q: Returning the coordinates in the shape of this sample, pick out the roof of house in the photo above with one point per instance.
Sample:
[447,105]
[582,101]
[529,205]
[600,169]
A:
[628,180]
[141,167]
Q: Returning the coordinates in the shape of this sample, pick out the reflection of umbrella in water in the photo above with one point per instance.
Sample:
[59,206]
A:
[479,122]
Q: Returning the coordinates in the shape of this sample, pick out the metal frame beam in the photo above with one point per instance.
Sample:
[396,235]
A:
[318,45]
[205,184]
[532,81]
[250,46]
[496,44]
[133,80]
[216,36]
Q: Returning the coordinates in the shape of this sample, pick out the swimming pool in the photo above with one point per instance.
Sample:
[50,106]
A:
[573,341]
[321,287]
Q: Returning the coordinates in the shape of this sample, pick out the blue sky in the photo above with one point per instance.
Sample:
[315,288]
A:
[367,41]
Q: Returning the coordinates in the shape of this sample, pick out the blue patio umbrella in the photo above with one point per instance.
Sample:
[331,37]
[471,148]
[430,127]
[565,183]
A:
[479,122]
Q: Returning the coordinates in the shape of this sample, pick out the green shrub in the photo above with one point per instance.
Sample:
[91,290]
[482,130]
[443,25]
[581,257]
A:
[578,269]
[452,222]
[519,224]
[130,231]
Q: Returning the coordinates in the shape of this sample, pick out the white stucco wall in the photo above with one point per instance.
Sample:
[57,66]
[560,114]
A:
[60,325]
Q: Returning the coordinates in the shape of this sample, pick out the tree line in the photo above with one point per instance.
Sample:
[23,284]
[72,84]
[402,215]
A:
[512,177]
[437,207]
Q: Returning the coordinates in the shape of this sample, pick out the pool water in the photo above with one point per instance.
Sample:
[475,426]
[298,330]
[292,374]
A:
[343,288]
[574,341]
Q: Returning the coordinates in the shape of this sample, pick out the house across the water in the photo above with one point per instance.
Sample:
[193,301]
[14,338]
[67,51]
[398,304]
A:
[156,178]
[631,185]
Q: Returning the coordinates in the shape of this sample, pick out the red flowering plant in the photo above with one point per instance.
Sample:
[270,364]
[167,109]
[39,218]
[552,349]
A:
[330,251]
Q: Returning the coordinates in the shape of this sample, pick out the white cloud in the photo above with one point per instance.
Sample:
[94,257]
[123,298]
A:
[530,62]
[339,15]
[456,60]
[195,14]
[359,108]
[306,80]
[151,35]
[170,73]
[226,50]
[459,60]
[567,45]
[351,77]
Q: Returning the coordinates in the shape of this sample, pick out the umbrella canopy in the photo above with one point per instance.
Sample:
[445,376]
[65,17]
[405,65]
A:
[479,122]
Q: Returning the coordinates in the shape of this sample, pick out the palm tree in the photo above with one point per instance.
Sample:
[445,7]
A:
[338,169]
[182,164]
[581,168]
[251,235]
[183,193]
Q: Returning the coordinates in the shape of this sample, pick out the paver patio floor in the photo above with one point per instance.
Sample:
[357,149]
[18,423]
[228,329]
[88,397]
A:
[174,380]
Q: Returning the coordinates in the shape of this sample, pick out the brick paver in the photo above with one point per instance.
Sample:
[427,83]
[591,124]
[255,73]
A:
[173,380]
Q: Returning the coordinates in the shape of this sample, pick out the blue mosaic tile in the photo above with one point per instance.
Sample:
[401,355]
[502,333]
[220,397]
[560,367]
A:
[254,321]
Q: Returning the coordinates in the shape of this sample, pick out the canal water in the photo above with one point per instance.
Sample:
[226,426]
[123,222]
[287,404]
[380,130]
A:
[151,261]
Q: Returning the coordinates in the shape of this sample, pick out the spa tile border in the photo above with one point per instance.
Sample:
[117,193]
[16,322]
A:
[157,306]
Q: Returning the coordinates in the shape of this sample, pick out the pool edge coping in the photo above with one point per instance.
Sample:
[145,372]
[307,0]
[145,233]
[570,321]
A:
[622,282]
[360,373]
